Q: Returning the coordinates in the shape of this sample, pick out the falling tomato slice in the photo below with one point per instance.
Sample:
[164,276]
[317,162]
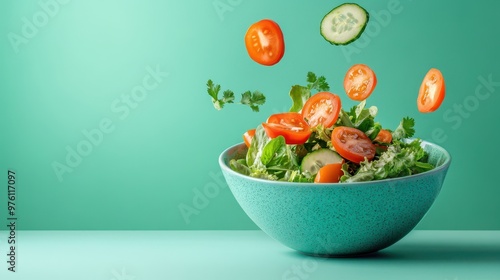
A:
[359,82]
[322,108]
[432,91]
[264,42]
[291,126]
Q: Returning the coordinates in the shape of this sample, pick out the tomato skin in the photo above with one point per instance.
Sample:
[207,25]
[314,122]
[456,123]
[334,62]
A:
[359,82]
[352,144]
[322,108]
[264,42]
[247,137]
[329,173]
[432,91]
[384,136]
[291,125]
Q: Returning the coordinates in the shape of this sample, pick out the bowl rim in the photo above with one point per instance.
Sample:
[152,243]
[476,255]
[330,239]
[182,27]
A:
[444,166]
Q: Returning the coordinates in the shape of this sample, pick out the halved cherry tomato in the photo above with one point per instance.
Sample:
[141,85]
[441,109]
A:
[359,82]
[247,137]
[432,91]
[352,144]
[384,136]
[292,126]
[329,173]
[264,42]
[322,108]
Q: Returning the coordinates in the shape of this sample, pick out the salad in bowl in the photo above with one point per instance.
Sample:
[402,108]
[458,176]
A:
[324,179]
[320,141]
[332,182]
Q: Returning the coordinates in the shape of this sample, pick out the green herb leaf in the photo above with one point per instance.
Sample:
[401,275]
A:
[228,96]
[213,90]
[284,160]
[271,149]
[270,157]
[405,129]
[311,77]
[246,98]
[258,98]
[345,119]
[373,131]
[316,83]
[361,118]
[253,100]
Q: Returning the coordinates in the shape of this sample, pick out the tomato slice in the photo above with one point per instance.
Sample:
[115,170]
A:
[329,173]
[247,137]
[292,126]
[322,108]
[352,144]
[359,82]
[264,42]
[432,91]
[384,136]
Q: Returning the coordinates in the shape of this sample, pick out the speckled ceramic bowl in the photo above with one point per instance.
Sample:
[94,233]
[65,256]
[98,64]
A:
[337,219]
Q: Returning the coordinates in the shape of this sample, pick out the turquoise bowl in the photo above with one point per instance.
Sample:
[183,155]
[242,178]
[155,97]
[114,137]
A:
[337,219]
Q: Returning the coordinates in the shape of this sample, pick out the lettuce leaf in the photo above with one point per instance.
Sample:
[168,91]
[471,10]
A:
[400,159]
[361,118]
[269,158]
[299,96]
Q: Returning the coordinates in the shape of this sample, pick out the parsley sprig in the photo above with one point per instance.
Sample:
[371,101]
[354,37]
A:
[317,83]
[252,99]
[405,129]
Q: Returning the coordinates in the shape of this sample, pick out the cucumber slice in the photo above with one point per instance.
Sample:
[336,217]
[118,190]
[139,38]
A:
[344,24]
[313,161]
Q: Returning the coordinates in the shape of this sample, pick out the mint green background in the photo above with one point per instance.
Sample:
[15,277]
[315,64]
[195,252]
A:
[66,77]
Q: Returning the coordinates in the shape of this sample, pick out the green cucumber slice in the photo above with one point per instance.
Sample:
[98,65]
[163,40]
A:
[344,24]
[313,161]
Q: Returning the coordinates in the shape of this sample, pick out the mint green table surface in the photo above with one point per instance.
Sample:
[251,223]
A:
[149,255]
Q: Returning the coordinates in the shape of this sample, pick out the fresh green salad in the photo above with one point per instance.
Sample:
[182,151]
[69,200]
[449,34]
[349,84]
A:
[319,141]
